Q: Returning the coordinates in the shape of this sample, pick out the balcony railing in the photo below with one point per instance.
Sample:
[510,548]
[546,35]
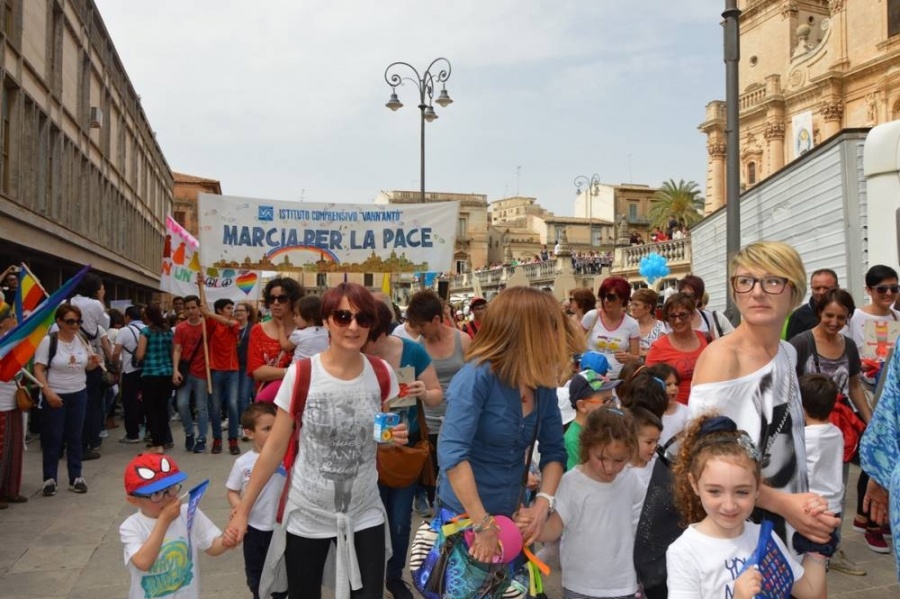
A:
[677,252]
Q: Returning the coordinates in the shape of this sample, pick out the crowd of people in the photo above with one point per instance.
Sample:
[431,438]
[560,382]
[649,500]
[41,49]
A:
[622,415]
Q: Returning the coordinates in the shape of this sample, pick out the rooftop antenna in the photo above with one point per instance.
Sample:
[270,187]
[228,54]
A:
[518,177]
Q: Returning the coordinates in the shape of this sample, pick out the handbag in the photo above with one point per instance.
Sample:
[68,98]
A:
[441,567]
[401,466]
[24,401]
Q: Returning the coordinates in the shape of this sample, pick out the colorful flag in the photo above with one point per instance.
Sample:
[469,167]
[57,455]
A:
[30,293]
[17,347]
[778,578]
[194,496]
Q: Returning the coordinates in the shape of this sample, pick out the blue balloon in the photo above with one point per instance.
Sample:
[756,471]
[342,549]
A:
[653,267]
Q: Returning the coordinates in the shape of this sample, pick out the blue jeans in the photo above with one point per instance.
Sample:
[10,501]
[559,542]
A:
[398,505]
[225,389]
[63,424]
[246,387]
[197,386]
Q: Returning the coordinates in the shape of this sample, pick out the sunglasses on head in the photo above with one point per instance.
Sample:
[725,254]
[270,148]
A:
[343,318]
[882,289]
[279,299]
[71,321]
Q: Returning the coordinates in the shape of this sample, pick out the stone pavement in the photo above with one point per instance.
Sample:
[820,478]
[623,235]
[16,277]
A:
[68,546]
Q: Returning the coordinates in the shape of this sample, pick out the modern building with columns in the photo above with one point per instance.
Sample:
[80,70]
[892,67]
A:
[808,69]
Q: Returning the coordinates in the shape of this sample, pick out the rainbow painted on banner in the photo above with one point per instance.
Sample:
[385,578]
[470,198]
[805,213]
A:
[17,347]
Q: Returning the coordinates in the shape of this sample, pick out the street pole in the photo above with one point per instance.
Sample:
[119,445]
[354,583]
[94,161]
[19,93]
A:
[732,140]
[593,183]
[425,83]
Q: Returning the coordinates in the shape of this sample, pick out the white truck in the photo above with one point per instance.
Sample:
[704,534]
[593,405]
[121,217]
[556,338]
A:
[838,205]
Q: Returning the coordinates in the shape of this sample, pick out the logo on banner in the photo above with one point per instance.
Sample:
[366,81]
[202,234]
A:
[266,213]
[246,282]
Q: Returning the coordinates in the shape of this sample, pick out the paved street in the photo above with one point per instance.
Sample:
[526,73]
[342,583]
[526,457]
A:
[68,546]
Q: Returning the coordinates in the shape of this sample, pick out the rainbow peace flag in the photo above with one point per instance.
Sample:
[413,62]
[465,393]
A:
[17,347]
[29,295]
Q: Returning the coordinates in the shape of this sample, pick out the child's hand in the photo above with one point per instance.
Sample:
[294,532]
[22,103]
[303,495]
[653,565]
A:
[748,584]
[171,511]
[229,539]
[237,526]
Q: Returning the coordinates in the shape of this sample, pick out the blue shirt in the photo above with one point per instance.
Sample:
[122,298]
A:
[414,355]
[484,426]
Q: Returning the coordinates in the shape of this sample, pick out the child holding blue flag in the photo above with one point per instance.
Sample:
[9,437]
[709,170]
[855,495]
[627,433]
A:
[163,539]
[721,554]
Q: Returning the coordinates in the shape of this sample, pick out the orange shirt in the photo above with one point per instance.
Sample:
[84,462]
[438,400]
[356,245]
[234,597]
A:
[222,345]
[682,362]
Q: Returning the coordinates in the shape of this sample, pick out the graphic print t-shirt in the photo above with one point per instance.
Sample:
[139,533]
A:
[335,468]
[174,574]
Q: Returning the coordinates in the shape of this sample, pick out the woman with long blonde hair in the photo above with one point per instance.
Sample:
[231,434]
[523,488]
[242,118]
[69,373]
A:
[502,399]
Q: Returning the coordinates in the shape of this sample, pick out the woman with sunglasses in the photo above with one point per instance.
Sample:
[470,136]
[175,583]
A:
[64,390]
[609,329]
[750,377]
[267,360]
[882,287]
[334,481]
[681,347]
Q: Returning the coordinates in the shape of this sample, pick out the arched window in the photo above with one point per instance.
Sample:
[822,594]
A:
[751,173]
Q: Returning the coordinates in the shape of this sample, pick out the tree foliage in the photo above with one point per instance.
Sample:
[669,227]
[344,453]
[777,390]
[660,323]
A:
[681,200]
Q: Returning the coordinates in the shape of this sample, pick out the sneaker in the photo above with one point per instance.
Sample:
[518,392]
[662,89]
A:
[421,506]
[875,541]
[233,448]
[841,563]
[104,434]
[217,446]
[79,486]
[200,445]
[189,443]
[398,589]
[90,454]
[860,523]
[129,440]
[49,489]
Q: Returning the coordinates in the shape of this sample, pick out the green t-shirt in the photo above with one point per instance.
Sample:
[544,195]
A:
[573,444]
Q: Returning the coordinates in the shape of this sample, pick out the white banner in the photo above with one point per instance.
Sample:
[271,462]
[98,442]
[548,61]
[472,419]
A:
[181,263]
[271,235]
[802,132]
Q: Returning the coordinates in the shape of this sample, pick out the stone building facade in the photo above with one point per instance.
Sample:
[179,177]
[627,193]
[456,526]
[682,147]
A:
[808,69]
[82,177]
[184,199]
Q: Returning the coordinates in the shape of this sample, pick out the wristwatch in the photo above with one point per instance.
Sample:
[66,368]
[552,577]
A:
[550,499]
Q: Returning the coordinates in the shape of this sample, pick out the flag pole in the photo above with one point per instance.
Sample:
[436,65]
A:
[201,288]
[37,281]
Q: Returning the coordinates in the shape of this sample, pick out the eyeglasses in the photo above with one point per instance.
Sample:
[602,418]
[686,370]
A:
[236,310]
[71,321]
[883,289]
[343,318]
[772,285]
[279,299]
[156,497]
[609,297]
[679,316]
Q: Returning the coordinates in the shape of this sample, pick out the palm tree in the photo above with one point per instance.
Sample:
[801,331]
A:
[680,200]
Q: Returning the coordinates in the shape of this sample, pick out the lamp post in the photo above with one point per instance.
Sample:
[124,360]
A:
[593,187]
[437,73]
[732,142]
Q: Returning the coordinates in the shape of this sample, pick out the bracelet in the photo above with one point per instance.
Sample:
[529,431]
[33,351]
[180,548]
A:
[817,558]
[486,523]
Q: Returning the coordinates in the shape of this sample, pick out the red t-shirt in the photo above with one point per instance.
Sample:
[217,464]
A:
[222,345]
[190,338]
[682,362]
[262,350]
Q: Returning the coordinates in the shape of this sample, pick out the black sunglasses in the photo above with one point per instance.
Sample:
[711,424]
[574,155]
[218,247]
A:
[882,289]
[343,318]
[609,297]
[279,299]
[71,321]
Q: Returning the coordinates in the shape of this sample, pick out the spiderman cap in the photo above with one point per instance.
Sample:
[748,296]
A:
[151,472]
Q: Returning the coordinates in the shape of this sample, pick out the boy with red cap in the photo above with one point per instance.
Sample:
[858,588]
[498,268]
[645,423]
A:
[159,556]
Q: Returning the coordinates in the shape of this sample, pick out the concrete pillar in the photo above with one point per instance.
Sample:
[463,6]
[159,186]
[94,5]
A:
[833,114]
[715,197]
[775,141]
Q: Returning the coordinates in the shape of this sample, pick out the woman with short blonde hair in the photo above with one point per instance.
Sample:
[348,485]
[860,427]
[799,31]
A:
[496,404]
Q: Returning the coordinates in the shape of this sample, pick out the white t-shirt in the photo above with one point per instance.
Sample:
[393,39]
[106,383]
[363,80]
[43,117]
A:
[643,474]
[856,329]
[757,403]
[609,341]
[825,463]
[127,338]
[401,331]
[95,317]
[674,423]
[335,468]
[704,567]
[309,341]
[592,510]
[174,574]
[262,516]
[66,373]
[7,396]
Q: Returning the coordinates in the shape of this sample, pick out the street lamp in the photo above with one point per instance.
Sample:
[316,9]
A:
[425,82]
[593,188]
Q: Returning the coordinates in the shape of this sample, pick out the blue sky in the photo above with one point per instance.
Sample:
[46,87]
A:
[284,99]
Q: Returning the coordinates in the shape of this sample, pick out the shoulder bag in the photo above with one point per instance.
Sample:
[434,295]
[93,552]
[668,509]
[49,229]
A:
[24,401]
